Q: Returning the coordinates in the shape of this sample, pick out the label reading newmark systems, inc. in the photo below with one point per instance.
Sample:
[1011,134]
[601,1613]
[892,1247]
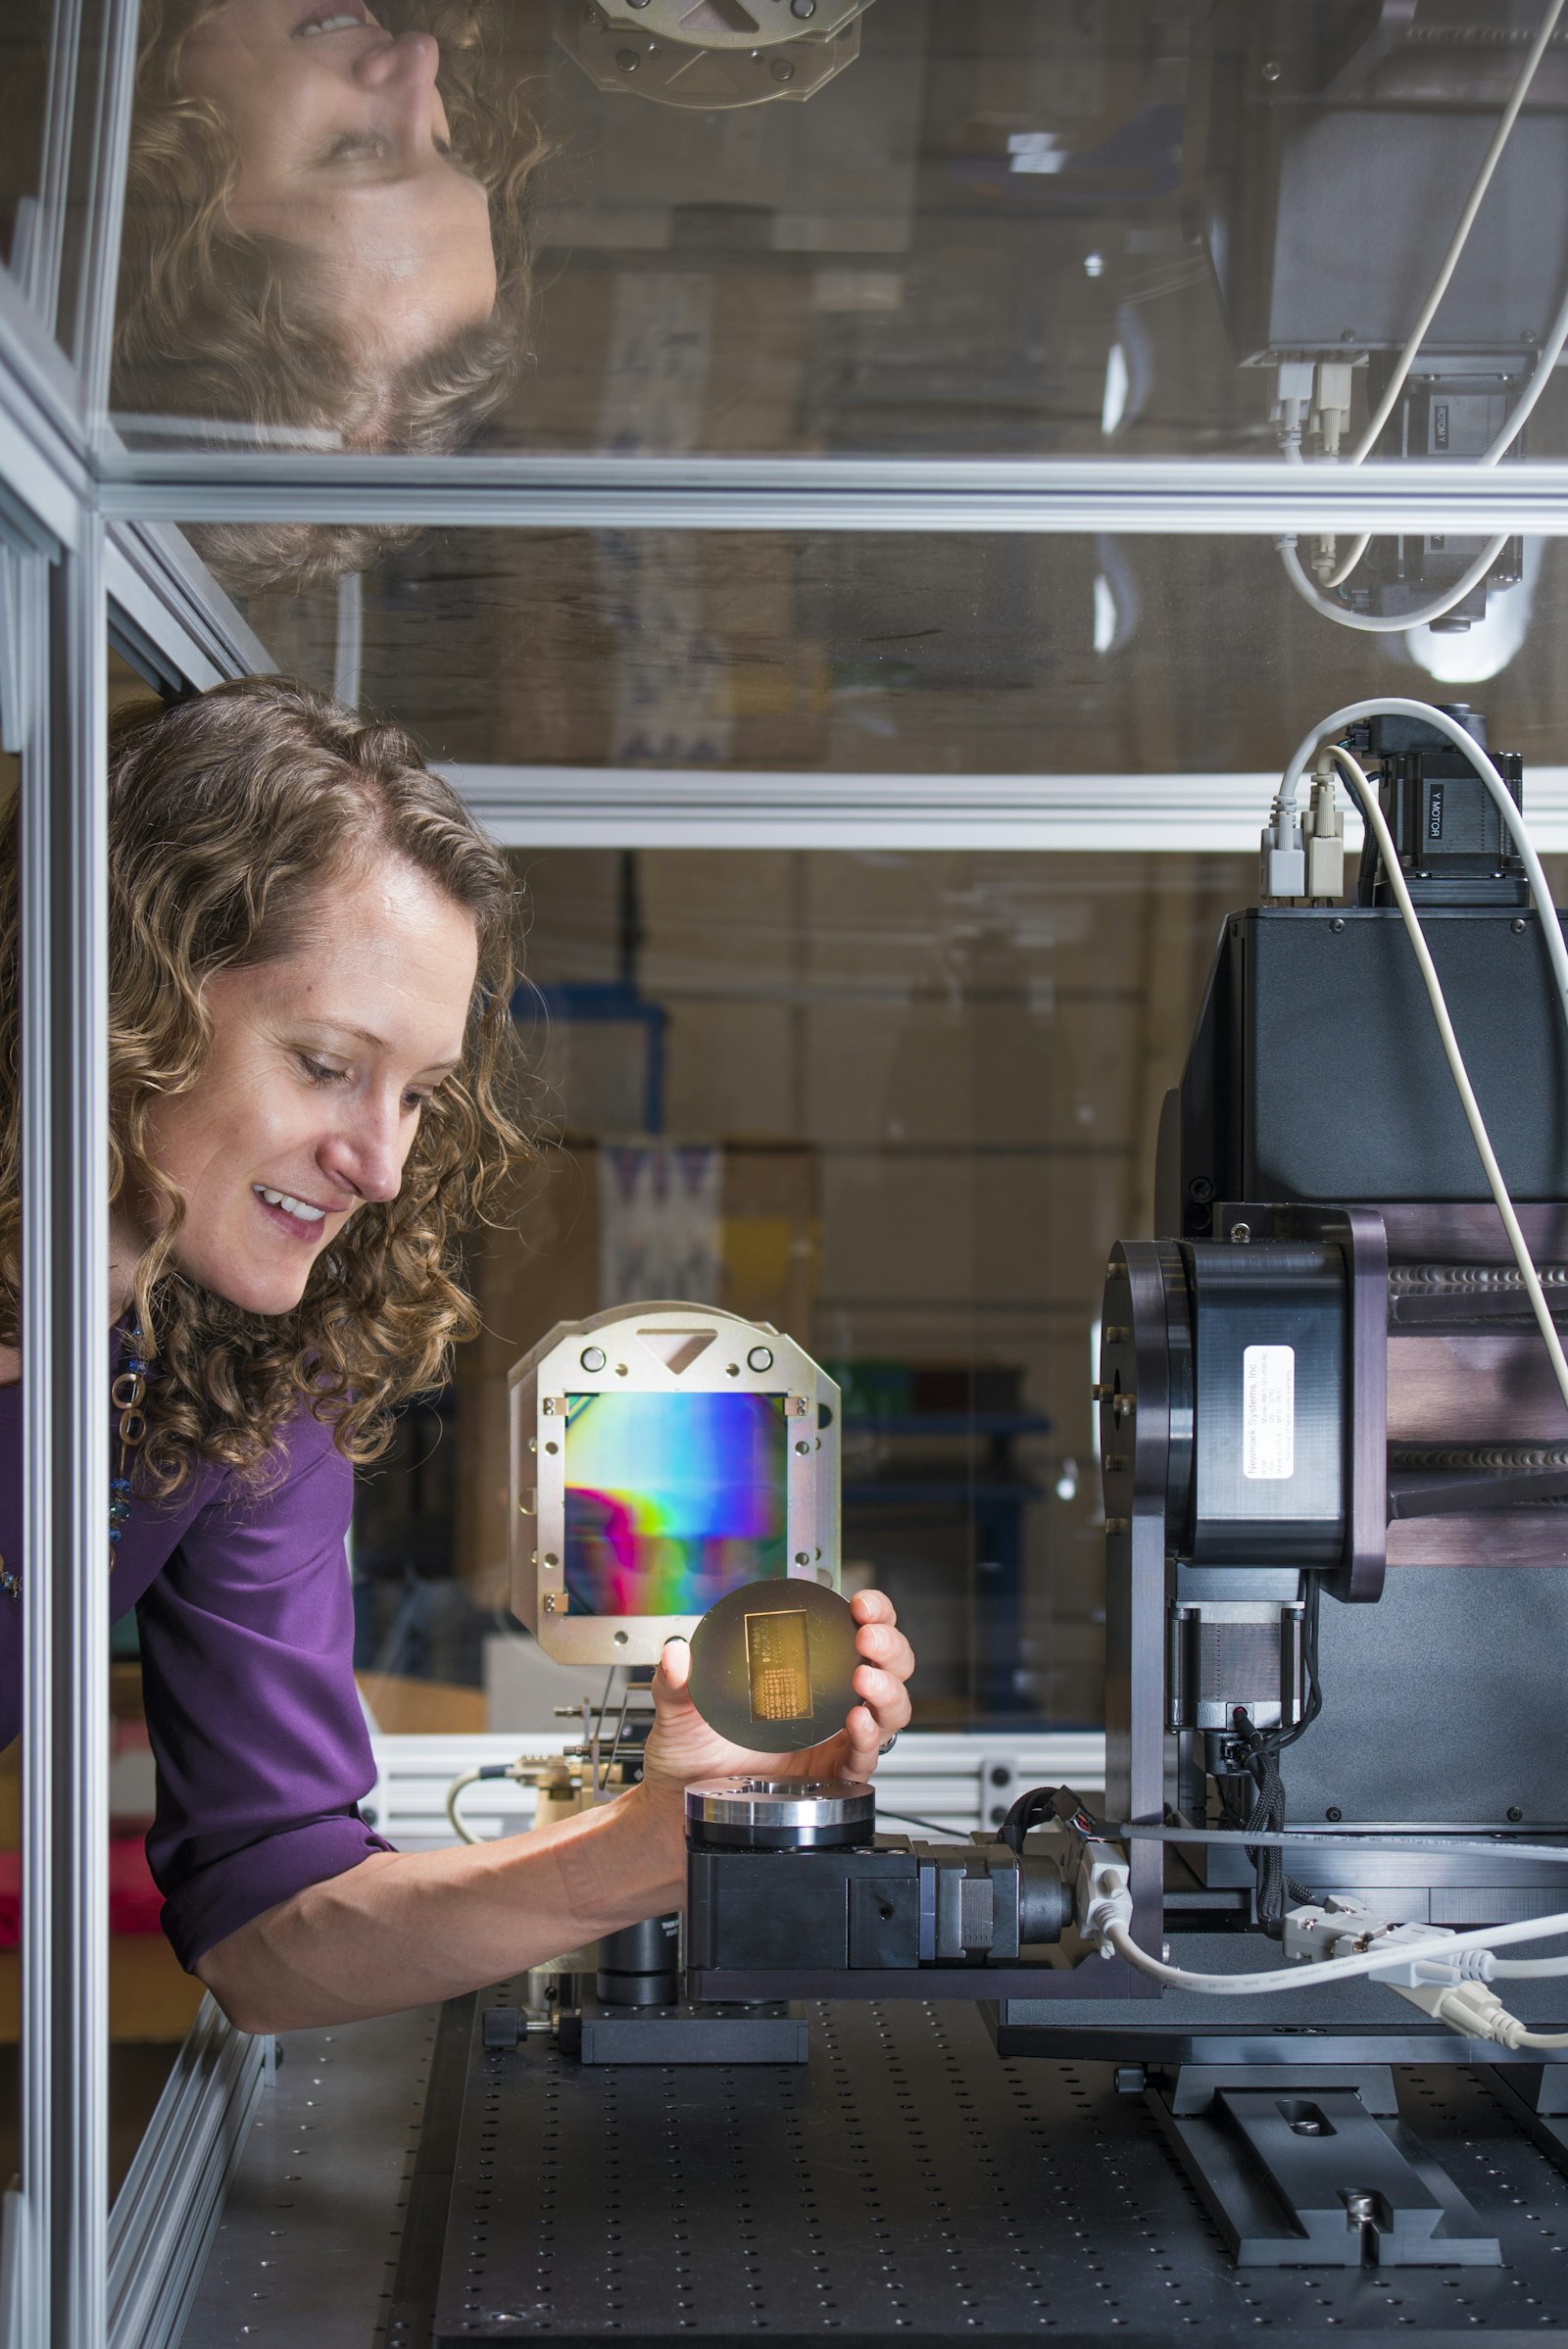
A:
[1268,1412]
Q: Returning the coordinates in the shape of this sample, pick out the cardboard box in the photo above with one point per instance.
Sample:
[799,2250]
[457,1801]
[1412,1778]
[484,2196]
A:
[546,1268]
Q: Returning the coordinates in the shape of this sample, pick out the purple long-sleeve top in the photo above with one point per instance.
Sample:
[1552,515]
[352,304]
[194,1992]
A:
[246,1620]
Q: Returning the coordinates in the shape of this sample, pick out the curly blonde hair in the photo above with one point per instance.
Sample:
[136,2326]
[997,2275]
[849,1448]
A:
[226,814]
[217,325]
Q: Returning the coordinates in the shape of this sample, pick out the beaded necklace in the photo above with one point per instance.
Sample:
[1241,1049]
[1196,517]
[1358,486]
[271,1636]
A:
[127,1394]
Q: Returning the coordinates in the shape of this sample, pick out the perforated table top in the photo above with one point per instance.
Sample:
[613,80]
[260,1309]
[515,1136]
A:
[909,2183]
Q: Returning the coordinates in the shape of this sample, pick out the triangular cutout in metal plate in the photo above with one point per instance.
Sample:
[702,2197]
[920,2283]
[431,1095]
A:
[677,1350]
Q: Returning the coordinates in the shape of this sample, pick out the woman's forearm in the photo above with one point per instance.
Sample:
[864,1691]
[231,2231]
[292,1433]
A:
[406,1928]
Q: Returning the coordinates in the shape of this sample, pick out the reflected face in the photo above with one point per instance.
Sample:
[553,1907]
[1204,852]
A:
[309,1100]
[344,158]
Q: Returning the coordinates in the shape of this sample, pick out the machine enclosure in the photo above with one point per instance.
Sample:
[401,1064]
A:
[1316,1073]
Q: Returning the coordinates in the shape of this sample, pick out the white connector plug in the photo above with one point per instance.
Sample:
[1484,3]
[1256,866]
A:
[1292,401]
[1283,873]
[1467,2007]
[1323,839]
[1339,1927]
[1103,1895]
[1331,403]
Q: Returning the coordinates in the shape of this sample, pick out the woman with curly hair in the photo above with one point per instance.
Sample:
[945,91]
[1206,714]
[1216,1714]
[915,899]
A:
[324,236]
[310,980]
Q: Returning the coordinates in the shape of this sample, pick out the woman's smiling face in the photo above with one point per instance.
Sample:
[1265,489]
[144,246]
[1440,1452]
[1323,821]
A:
[307,1104]
[345,164]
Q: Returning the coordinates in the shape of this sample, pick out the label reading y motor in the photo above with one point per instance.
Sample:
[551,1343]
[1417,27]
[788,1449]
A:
[1268,1412]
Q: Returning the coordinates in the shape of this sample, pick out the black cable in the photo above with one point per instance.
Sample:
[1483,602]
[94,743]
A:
[1260,1755]
[1314,1687]
[933,1827]
[1032,1809]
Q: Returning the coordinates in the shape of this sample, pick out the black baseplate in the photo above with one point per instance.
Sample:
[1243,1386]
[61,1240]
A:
[909,2183]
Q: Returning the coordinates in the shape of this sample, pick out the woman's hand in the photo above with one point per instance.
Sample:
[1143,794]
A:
[681,1748]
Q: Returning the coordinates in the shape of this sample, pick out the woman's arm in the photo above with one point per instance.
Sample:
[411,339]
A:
[407,1927]
[402,1929]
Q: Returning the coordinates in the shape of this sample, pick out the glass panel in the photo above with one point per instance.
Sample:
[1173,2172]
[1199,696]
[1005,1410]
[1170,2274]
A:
[897,226]
[933,1074]
[854,654]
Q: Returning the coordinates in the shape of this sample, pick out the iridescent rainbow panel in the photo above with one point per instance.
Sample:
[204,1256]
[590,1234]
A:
[672,1499]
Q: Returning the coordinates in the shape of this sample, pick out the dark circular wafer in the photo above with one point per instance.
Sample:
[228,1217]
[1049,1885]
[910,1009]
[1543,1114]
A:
[773,1665]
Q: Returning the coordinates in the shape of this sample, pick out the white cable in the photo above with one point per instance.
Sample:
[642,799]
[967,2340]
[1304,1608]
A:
[1468,2008]
[1524,407]
[468,1778]
[1387,623]
[1366,792]
[1551,350]
[1318,596]
[1310,1976]
[1457,243]
[1525,1968]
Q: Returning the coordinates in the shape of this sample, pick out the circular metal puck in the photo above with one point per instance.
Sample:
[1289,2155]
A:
[773,1665]
[780,1814]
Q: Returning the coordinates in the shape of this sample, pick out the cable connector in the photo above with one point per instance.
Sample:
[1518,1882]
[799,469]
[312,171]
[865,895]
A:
[1293,401]
[1102,1894]
[1330,404]
[1283,873]
[1467,2007]
[1339,1927]
[1323,839]
[1470,1965]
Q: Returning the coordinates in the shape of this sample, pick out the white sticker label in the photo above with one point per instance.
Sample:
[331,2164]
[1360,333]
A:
[1268,1412]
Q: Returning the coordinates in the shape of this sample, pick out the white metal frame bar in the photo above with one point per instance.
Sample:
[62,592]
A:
[105,199]
[1222,496]
[44,253]
[944,1775]
[165,598]
[169,2205]
[61,567]
[707,808]
[65,2034]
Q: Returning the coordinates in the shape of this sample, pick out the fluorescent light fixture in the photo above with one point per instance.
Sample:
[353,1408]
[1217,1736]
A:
[1105,613]
[1113,405]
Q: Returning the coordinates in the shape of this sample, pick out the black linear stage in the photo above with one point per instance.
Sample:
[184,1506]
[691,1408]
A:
[907,2183]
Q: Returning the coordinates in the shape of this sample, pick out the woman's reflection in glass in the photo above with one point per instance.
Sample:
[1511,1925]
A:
[324,235]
